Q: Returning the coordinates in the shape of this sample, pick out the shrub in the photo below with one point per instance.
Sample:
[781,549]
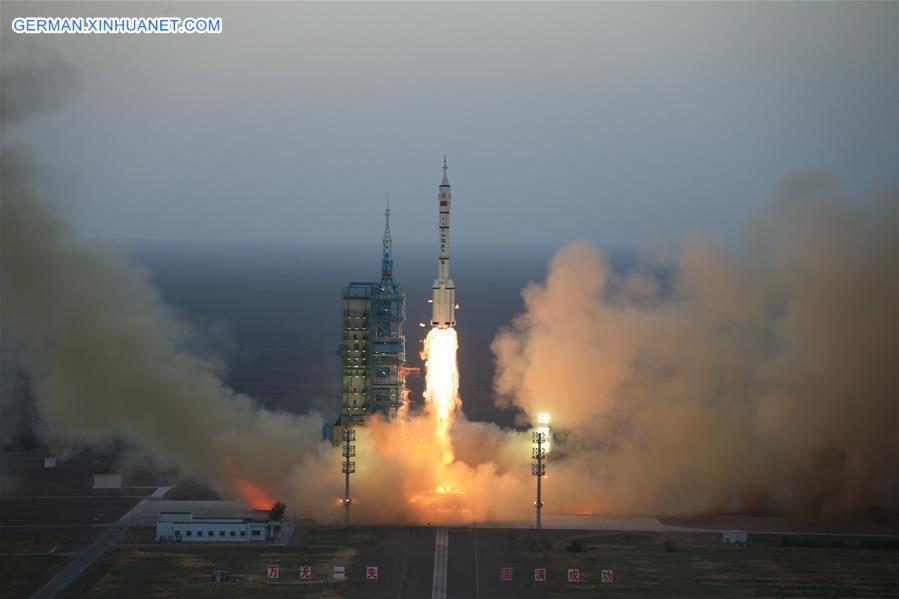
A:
[875,543]
[277,511]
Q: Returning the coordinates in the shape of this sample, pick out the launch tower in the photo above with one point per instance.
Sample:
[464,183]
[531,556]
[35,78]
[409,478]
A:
[373,347]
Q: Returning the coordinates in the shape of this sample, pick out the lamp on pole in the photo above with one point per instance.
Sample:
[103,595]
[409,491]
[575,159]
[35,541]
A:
[540,438]
[349,467]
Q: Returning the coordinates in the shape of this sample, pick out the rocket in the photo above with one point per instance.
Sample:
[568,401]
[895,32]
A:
[443,298]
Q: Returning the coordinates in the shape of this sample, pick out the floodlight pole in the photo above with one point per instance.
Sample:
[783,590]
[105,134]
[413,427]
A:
[539,479]
[539,469]
[349,467]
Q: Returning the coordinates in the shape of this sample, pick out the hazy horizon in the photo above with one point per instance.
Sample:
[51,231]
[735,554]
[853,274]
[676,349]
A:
[617,123]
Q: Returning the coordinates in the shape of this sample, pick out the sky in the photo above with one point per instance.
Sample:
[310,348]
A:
[618,123]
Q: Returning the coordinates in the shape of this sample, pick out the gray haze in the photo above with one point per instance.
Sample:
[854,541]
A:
[612,122]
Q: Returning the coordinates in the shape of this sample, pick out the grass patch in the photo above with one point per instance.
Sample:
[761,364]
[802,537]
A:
[137,535]
[874,543]
[42,539]
[337,536]
[614,538]
[182,570]
[21,576]
[675,565]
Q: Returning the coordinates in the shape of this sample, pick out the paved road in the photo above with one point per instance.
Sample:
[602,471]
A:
[476,557]
[81,563]
[284,535]
[405,560]
[441,548]
[463,567]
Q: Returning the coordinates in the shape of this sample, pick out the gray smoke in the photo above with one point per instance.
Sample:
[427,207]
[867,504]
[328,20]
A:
[34,80]
[106,358]
[760,379]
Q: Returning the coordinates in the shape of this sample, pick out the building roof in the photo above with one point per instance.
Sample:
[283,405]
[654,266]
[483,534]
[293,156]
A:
[185,517]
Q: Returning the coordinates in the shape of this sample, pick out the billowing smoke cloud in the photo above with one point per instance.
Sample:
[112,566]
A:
[401,476]
[763,379]
[33,80]
[107,358]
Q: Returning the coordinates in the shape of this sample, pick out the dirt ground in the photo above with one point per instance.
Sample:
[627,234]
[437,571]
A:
[185,570]
[24,475]
[20,576]
[191,490]
[70,511]
[27,539]
[887,525]
[683,565]
[46,508]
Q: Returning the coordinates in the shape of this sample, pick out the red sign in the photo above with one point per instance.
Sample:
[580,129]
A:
[607,576]
[371,573]
[574,575]
[305,573]
[539,574]
[505,573]
[443,203]
[271,571]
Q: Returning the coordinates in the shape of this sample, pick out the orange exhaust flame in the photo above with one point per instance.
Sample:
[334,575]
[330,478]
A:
[445,501]
[251,493]
[410,371]
[442,384]
[442,401]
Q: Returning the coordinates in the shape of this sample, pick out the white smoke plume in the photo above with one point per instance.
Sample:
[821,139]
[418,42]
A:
[762,379]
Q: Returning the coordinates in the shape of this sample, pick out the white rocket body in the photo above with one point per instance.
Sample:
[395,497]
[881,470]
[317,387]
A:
[443,298]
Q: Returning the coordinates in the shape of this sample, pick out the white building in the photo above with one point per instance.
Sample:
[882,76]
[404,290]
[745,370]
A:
[183,527]
[735,537]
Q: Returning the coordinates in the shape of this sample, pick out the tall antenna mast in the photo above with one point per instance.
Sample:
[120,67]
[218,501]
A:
[387,257]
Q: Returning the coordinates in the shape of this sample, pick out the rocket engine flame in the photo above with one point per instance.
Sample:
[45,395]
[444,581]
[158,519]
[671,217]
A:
[442,384]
